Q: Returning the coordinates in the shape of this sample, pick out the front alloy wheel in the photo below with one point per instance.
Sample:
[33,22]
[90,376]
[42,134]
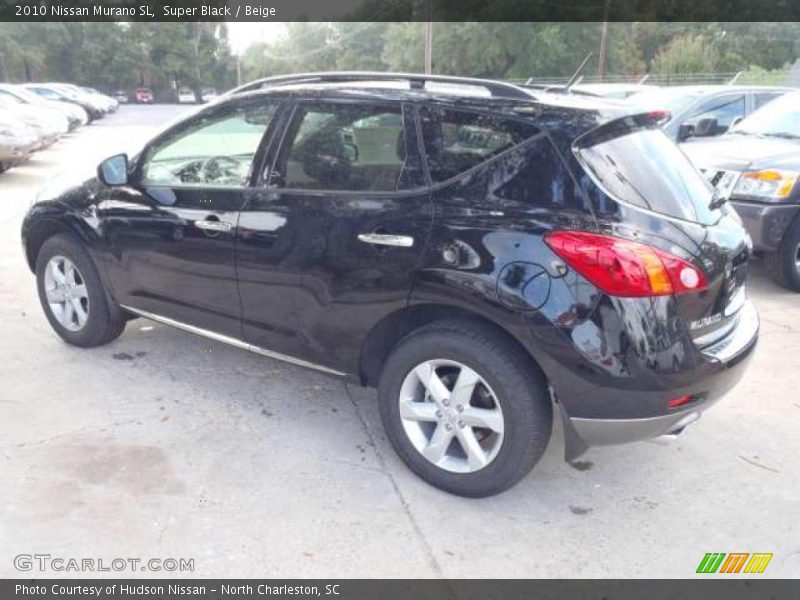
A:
[72,294]
[66,293]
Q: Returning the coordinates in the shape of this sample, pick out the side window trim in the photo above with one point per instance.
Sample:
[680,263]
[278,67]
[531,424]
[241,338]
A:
[414,114]
[270,144]
[291,124]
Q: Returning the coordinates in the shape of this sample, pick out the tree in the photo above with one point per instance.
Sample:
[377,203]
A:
[689,53]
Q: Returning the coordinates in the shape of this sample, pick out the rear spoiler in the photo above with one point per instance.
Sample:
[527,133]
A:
[621,126]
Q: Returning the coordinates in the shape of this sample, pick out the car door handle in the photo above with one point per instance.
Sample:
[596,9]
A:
[387,239]
[213,225]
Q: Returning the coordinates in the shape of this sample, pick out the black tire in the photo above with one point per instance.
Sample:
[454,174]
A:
[105,322]
[519,386]
[783,265]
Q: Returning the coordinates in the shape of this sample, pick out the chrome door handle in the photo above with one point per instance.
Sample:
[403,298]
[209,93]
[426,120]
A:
[213,225]
[387,239]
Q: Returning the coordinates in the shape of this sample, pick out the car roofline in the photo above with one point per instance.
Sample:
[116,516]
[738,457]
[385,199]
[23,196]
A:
[497,89]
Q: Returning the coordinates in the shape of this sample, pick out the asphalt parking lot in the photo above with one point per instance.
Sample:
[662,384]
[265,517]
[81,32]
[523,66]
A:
[167,445]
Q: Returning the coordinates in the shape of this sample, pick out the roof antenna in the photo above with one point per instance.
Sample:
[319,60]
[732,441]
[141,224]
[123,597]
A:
[577,76]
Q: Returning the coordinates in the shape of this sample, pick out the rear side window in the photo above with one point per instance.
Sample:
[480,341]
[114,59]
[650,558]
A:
[762,99]
[346,147]
[456,140]
[646,169]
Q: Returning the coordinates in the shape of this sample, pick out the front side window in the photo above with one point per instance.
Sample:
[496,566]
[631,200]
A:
[345,147]
[213,151]
[455,140]
[724,110]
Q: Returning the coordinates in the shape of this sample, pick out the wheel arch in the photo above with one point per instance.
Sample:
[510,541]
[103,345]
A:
[387,333]
[38,232]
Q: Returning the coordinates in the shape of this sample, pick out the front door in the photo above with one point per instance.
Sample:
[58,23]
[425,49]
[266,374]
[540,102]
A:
[329,246]
[171,233]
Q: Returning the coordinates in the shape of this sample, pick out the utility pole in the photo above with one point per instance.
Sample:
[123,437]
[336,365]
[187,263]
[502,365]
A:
[428,46]
[601,63]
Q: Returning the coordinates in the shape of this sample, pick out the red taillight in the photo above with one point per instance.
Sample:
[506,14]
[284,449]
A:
[659,116]
[624,268]
[679,401]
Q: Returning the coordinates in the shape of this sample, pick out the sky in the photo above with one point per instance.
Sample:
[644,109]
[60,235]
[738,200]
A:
[241,34]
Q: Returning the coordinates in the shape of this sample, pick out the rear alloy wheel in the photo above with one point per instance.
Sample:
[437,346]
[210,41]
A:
[451,416]
[464,407]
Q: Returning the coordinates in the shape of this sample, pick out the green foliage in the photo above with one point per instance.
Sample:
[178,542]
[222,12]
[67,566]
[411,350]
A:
[118,55]
[689,53]
[167,55]
[756,75]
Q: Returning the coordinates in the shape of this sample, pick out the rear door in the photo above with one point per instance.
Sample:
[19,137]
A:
[330,244]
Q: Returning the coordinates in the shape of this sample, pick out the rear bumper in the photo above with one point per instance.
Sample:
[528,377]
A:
[726,361]
[766,223]
[604,432]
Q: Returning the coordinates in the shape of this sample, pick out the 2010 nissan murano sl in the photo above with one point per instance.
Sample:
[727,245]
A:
[481,253]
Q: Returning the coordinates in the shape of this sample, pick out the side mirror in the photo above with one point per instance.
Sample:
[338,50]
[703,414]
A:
[685,131]
[706,127]
[114,170]
[736,121]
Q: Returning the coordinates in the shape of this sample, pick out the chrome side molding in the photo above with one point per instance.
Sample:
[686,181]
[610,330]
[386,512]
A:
[387,239]
[232,341]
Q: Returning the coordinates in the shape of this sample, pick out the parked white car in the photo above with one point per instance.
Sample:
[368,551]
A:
[17,140]
[49,124]
[74,113]
[186,96]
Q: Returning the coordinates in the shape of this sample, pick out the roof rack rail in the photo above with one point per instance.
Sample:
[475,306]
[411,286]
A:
[498,89]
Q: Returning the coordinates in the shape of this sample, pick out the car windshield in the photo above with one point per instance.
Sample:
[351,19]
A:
[24,95]
[779,118]
[673,100]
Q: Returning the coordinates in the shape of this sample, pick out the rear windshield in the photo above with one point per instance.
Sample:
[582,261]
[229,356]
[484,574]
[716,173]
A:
[645,168]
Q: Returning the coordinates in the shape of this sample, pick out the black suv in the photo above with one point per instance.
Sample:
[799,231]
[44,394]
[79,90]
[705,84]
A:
[475,250]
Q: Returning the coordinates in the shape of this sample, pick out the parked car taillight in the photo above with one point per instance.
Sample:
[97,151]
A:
[624,268]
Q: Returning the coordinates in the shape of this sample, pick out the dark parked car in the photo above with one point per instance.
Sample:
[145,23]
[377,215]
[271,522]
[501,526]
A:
[473,250]
[756,165]
[704,110]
